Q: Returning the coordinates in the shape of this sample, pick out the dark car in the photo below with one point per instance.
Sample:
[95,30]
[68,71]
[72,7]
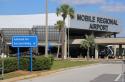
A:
[102,53]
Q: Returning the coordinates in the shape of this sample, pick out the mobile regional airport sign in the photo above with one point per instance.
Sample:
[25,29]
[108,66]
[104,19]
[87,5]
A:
[24,41]
[95,22]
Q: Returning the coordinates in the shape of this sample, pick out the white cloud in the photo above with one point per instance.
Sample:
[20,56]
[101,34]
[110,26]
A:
[113,7]
[105,5]
[81,2]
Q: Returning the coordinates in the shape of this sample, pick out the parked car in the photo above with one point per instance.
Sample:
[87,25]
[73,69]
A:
[102,53]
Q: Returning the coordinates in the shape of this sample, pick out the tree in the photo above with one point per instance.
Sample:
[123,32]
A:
[87,43]
[59,25]
[64,10]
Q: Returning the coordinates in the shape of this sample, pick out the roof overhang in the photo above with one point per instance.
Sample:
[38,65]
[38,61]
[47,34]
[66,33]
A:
[108,41]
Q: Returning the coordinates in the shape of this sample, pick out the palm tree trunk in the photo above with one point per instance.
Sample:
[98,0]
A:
[63,40]
[88,53]
[58,46]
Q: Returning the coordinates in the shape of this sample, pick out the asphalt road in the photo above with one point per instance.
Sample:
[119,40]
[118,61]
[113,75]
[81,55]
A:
[93,73]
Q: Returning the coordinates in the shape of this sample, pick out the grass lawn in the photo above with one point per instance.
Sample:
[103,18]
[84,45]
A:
[58,64]
[12,74]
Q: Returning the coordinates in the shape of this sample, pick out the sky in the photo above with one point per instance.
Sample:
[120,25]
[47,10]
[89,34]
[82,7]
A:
[114,8]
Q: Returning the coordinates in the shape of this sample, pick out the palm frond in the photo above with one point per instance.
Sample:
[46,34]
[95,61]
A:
[85,44]
[88,42]
[59,25]
[65,10]
[71,13]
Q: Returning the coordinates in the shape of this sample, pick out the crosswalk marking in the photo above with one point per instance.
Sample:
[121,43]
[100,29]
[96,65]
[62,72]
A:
[117,79]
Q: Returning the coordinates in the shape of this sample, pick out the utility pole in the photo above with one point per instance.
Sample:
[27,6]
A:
[46,46]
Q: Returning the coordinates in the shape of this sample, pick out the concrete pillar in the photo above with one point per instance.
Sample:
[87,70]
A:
[114,35]
[36,50]
[8,50]
[96,52]
[115,46]
[5,48]
[120,49]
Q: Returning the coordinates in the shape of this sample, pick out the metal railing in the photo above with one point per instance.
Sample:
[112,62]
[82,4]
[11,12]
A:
[38,30]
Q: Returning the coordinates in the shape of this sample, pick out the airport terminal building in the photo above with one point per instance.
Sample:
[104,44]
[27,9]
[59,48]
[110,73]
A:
[103,28]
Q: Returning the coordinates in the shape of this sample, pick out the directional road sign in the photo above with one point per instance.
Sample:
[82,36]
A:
[25,41]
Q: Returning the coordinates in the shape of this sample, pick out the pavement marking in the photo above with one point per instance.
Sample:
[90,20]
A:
[105,78]
[117,79]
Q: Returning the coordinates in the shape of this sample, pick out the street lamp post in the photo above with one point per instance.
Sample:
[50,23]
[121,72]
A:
[46,42]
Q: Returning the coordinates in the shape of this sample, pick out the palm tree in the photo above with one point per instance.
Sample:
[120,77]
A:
[87,43]
[59,25]
[64,10]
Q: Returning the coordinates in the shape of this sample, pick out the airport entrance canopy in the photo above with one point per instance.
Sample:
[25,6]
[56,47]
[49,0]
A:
[108,41]
[81,32]
[112,41]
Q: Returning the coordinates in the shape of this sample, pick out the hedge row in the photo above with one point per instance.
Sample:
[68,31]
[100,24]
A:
[39,63]
[10,64]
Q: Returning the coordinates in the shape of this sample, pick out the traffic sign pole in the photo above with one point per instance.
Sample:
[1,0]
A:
[31,57]
[18,53]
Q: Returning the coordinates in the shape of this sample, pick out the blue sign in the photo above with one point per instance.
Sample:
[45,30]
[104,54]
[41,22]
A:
[25,41]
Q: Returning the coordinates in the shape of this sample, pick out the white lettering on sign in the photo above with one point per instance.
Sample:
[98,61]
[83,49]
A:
[24,41]
[95,22]
[100,23]
[21,39]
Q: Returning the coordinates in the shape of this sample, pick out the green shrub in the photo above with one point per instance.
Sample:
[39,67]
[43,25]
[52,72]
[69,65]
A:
[39,63]
[42,63]
[10,64]
[51,58]
[24,63]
